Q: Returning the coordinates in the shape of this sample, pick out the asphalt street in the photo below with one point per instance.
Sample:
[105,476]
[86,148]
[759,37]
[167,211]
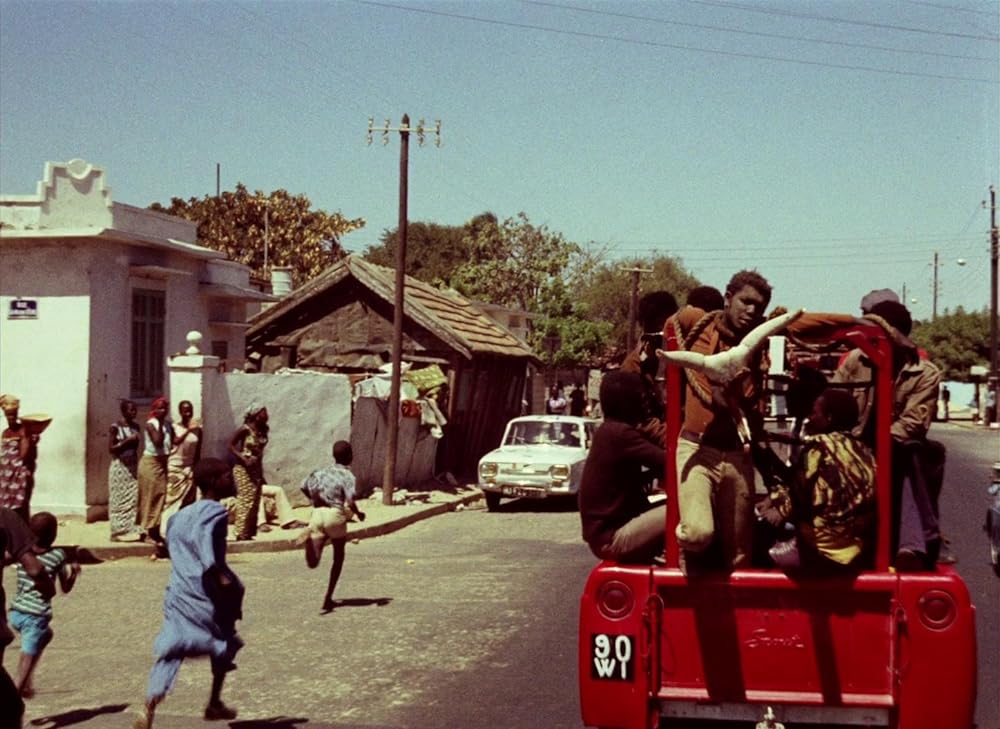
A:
[466,618]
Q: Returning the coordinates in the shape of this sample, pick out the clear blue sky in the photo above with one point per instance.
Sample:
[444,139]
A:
[833,145]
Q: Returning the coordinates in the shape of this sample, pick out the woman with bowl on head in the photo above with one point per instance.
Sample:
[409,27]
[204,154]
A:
[246,448]
[124,439]
[18,453]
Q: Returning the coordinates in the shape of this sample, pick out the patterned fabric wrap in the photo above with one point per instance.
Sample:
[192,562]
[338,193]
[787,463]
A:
[14,475]
[838,477]
[248,491]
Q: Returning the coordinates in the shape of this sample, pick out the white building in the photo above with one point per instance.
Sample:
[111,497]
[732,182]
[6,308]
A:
[94,295]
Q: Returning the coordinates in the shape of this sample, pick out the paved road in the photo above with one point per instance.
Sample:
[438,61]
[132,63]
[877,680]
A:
[465,619]
[963,508]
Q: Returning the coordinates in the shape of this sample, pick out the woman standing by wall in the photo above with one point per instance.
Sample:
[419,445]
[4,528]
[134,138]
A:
[180,463]
[246,447]
[124,440]
[159,439]
[17,459]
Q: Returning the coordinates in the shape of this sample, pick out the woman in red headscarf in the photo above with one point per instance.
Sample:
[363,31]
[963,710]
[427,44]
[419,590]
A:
[159,439]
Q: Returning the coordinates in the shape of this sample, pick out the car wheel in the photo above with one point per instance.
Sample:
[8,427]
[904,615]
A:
[492,500]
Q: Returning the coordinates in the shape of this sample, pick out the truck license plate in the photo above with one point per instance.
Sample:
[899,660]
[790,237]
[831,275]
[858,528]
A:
[612,657]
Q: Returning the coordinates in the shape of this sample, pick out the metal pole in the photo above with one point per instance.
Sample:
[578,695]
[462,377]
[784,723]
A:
[994,382]
[632,304]
[389,477]
[934,304]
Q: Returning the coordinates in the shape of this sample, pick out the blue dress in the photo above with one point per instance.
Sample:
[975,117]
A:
[199,616]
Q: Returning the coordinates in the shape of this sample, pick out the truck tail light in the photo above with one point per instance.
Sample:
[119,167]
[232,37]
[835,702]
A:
[937,609]
[615,599]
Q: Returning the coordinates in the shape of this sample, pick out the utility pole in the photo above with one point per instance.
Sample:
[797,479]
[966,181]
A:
[934,304]
[994,379]
[633,304]
[404,129]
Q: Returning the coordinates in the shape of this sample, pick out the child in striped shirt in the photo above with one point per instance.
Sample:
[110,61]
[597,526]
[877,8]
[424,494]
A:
[30,612]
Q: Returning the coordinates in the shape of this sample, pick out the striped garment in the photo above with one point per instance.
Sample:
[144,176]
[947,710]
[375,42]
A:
[28,599]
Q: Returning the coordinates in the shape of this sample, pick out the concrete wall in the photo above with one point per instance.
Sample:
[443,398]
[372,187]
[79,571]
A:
[308,412]
[43,361]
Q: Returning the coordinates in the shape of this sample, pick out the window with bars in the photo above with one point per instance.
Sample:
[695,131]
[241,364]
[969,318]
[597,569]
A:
[149,310]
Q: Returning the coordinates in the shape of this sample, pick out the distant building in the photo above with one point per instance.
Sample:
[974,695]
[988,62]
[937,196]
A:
[342,321]
[94,295]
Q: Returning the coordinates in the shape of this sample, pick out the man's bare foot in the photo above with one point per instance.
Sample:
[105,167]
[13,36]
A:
[327,608]
[27,692]
[144,719]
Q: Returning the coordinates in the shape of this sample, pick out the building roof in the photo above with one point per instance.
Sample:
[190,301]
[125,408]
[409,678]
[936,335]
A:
[449,316]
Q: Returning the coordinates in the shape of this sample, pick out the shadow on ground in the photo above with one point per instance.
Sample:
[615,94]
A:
[76,716]
[362,602]
[550,505]
[289,722]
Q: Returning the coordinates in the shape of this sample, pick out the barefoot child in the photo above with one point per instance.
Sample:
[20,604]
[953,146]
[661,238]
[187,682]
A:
[30,611]
[331,491]
[204,597]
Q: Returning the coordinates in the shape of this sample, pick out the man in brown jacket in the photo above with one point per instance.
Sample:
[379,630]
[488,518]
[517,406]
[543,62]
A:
[916,459]
[715,469]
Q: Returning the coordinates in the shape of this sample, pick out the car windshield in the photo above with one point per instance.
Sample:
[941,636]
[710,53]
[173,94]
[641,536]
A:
[540,432]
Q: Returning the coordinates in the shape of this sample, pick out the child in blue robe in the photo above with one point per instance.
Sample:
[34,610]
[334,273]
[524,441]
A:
[204,597]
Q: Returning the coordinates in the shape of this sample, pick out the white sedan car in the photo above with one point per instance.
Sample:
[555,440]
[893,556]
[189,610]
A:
[541,456]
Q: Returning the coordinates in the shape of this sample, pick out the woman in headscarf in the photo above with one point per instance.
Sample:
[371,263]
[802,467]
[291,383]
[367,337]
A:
[246,447]
[124,439]
[17,459]
[159,439]
[180,463]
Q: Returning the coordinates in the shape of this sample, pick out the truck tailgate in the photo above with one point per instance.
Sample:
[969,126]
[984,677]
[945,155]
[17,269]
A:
[760,637]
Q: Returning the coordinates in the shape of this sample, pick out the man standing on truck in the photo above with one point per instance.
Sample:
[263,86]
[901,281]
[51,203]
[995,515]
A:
[918,463]
[715,469]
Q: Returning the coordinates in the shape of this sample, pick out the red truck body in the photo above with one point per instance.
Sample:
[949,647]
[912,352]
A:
[879,649]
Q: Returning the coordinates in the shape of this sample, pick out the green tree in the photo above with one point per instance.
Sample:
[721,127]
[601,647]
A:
[307,240]
[605,290]
[955,341]
[433,252]
[513,263]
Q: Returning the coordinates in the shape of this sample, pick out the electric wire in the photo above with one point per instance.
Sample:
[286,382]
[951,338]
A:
[675,46]
[778,36]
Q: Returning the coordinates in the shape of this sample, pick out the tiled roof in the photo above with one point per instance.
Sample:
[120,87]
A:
[449,316]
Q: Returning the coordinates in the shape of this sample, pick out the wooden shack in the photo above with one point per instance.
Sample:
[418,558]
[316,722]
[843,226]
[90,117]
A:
[341,321]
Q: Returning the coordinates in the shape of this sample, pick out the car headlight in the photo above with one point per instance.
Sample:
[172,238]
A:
[559,471]
[487,470]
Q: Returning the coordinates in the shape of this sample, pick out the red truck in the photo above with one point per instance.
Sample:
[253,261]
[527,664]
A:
[880,649]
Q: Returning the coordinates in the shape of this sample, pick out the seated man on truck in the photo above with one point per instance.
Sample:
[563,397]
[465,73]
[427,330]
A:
[830,495]
[618,523]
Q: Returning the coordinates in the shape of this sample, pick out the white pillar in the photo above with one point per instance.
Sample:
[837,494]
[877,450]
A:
[193,377]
